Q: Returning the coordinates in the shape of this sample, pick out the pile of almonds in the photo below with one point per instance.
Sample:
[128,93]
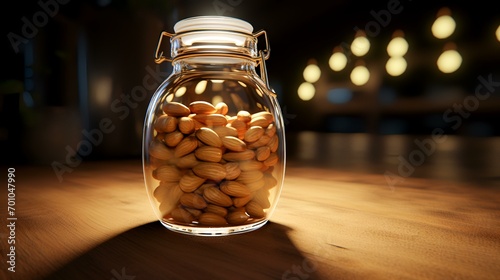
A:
[214,169]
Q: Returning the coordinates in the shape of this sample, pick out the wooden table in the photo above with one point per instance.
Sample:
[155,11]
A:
[329,224]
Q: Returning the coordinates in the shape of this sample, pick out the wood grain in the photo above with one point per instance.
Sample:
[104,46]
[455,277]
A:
[98,224]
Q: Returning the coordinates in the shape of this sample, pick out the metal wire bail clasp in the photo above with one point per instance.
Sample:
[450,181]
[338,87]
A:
[263,56]
[267,50]
[159,57]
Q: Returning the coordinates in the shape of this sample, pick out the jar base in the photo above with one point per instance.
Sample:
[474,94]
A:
[214,231]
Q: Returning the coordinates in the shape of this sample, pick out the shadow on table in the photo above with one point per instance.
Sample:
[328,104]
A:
[151,251]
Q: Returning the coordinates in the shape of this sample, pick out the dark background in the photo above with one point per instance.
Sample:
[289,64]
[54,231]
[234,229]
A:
[89,54]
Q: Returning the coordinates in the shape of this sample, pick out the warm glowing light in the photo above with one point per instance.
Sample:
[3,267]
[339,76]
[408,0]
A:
[443,27]
[103,89]
[398,46]
[200,87]
[312,73]
[449,61]
[337,61]
[498,33]
[217,99]
[217,85]
[180,91]
[169,98]
[360,75]
[306,91]
[360,46]
[396,66]
[259,92]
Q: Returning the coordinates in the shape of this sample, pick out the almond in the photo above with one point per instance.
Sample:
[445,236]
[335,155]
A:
[225,131]
[175,109]
[250,176]
[165,123]
[216,209]
[170,199]
[233,188]
[271,160]
[155,163]
[221,108]
[197,124]
[239,156]
[240,126]
[254,133]
[270,181]
[268,116]
[248,165]
[211,219]
[207,153]
[262,153]
[186,125]
[231,119]
[159,135]
[202,188]
[190,182]
[187,161]
[158,150]
[234,144]
[202,107]
[195,212]
[167,173]
[264,140]
[181,215]
[255,210]
[267,169]
[232,170]
[209,136]
[210,170]
[244,116]
[256,185]
[215,196]
[162,191]
[237,218]
[211,119]
[193,200]
[259,121]
[172,139]
[241,201]
[271,130]
[186,146]
[262,198]
[273,143]
[239,209]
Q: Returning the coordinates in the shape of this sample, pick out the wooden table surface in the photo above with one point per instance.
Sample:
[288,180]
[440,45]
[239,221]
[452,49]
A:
[329,224]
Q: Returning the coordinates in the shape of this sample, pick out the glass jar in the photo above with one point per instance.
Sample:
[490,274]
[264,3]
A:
[214,143]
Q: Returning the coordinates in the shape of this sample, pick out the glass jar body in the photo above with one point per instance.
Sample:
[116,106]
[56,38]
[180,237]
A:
[213,147]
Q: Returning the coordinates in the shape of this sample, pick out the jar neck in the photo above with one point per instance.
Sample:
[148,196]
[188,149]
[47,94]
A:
[214,43]
[214,63]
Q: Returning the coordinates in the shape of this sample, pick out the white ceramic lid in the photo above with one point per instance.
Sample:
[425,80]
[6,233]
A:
[213,23]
